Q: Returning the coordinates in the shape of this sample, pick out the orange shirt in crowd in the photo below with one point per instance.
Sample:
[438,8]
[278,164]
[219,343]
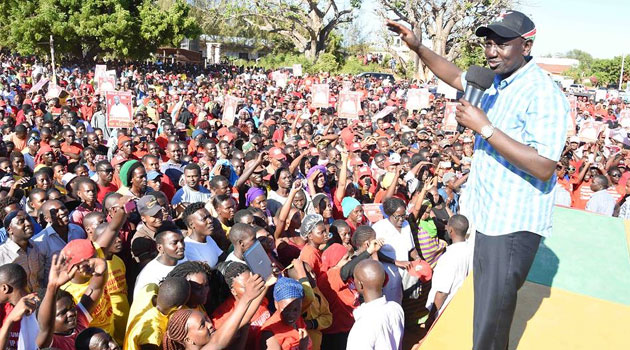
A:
[313,257]
[287,336]
[222,313]
[341,299]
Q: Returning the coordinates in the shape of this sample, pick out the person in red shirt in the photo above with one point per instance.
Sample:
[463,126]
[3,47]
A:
[105,173]
[314,231]
[236,275]
[286,329]
[15,300]
[69,148]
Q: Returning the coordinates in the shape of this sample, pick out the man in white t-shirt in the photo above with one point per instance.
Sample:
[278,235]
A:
[451,269]
[199,244]
[170,247]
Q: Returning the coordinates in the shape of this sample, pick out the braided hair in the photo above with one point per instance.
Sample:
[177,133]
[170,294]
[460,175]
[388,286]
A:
[176,330]
[188,268]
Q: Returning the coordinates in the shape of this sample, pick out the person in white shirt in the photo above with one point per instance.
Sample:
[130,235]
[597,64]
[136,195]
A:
[601,201]
[199,244]
[378,323]
[451,269]
[170,247]
[192,191]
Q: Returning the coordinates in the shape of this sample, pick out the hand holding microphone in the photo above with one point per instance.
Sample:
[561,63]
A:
[469,114]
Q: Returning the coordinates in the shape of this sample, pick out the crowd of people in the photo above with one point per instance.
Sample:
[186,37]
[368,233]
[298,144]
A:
[136,237]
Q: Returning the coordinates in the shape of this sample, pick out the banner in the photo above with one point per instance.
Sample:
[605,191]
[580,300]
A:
[321,96]
[383,112]
[417,99]
[349,104]
[449,123]
[119,109]
[446,90]
[573,112]
[99,70]
[297,70]
[230,104]
[54,91]
[40,85]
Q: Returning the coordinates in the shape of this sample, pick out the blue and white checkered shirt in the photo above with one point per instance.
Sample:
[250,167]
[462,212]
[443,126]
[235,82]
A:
[501,198]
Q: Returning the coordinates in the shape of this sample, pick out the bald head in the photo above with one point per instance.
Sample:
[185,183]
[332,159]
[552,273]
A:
[369,277]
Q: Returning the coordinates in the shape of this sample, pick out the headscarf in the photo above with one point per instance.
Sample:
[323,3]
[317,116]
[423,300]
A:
[287,288]
[348,204]
[176,330]
[252,194]
[40,154]
[126,170]
[321,168]
[309,223]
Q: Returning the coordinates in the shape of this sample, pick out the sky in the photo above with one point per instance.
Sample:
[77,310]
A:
[600,27]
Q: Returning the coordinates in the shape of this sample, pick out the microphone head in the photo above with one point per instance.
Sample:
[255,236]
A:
[480,77]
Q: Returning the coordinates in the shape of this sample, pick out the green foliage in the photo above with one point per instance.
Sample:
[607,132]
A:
[605,71]
[326,62]
[87,28]
[354,66]
[471,54]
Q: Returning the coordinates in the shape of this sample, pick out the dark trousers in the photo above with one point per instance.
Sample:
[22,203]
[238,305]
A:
[335,341]
[500,266]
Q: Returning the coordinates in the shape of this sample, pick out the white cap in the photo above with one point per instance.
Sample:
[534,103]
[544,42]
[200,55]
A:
[574,139]
[467,140]
[66,178]
[448,177]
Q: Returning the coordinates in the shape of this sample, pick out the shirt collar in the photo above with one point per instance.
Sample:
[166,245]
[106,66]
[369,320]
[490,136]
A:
[366,308]
[502,84]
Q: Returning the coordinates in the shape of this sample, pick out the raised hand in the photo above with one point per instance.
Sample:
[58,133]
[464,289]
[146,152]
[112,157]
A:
[253,287]
[405,34]
[24,307]
[374,246]
[59,273]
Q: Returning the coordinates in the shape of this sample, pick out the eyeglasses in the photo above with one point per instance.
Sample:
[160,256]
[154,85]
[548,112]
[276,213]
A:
[615,174]
[400,217]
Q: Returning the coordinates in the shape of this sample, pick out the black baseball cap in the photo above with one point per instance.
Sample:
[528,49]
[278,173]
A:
[510,24]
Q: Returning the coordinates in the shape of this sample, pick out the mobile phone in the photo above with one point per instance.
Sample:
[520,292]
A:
[445,164]
[258,260]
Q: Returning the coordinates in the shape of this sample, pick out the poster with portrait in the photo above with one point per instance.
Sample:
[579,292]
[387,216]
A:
[321,96]
[99,70]
[119,109]
[39,85]
[449,123]
[349,104]
[106,83]
[230,104]
[280,79]
[297,70]
[446,90]
[417,99]
[573,113]
[346,85]
[373,212]
[589,132]
[624,118]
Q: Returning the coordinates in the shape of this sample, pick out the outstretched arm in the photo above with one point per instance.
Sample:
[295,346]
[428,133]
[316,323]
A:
[442,68]
[286,209]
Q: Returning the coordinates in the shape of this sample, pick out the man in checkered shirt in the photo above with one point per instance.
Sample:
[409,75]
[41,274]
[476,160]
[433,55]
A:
[521,127]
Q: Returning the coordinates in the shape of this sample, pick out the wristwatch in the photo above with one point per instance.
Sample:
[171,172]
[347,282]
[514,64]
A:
[486,131]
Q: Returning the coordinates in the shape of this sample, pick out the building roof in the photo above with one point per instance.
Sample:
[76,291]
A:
[554,68]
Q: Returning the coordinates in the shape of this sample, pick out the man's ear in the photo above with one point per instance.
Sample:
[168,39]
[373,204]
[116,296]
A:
[527,47]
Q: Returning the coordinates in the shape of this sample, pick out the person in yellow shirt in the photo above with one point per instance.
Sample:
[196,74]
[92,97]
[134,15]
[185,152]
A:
[150,312]
[105,239]
[102,314]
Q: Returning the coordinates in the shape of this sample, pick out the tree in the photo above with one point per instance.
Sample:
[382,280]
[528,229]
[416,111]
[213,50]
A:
[450,25]
[584,57]
[87,28]
[308,23]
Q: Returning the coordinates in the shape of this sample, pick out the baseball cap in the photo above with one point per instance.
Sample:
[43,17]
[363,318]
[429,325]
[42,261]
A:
[355,146]
[421,269]
[510,24]
[364,171]
[303,144]
[152,175]
[77,251]
[574,139]
[276,153]
[148,205]
[448,177]
[394,158]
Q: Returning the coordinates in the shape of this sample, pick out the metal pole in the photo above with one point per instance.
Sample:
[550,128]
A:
[52,57]
[623,61]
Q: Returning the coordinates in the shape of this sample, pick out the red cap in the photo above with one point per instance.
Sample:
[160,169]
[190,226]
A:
[303,144]
[276,153]
[364,171]
[421,269]
[77,251]
[356,161]
[314,152]
[229,137]
[386,126]
[355,146]
[223,131]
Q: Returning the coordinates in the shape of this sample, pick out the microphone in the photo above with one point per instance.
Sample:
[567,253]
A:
[478,80]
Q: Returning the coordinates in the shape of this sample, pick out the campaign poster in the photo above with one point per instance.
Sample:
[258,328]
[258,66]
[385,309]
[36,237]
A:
[54,91]
[446,90]
[349,104]
[346,85]
[230,104]
[417,99]
[119,109]
[297,70]
[624,118]
[373,212]
[321,96]
[383,113]
[99,71]
[589,132]
[573,112]
[280,79]
[106,83]
[449,123]
[40,85]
